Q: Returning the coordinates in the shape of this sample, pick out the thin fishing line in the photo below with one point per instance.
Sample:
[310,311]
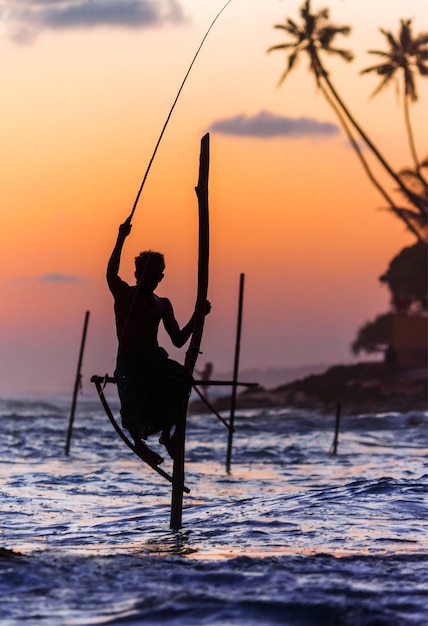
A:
[172,109]
[155,151]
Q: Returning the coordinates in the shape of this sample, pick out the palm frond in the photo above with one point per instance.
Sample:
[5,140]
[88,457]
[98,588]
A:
[418,221]
[415,179]
[287,28]
[281,46]
[405,33]
[391,39]
[387,79]
[292,61]
[421,40]
[379,53]
[323,14]
[346,55]
[372,68]
[409,85]
[422,68]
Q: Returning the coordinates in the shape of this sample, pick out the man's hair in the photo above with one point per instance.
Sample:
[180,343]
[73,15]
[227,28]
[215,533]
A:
[149,261]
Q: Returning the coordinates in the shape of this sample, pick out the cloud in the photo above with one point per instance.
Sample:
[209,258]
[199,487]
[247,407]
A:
[24,19]
[267,125]
[52,277]
[55,277]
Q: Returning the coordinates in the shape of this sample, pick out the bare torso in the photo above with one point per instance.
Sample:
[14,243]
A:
[137,318]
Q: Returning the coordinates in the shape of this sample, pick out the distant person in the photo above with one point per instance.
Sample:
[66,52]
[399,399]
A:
[153,389]
[390,355]
[205,375]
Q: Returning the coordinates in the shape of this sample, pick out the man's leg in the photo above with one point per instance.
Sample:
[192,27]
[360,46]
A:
[150,456]
[167,440]
[132,422]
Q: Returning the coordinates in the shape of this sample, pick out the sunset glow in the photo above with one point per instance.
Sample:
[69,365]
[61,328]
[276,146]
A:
[82,107]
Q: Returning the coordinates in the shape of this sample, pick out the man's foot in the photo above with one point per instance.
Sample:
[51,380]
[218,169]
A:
[169,442]
[150,456]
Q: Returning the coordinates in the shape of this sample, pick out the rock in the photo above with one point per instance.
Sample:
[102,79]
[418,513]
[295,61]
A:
[6,553]
[360,388]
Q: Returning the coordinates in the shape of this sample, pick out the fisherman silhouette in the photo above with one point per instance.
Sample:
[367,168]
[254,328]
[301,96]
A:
[205,375]
[153,389]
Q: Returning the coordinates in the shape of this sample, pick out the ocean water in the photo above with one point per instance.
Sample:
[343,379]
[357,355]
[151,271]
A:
[292,535]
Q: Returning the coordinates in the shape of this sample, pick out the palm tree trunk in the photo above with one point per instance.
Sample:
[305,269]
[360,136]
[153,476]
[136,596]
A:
[366,166]
[411,136]
[408,193]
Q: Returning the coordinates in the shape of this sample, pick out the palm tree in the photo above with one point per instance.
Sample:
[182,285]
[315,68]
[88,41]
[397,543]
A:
[317,35]
[415,180]
[407,55]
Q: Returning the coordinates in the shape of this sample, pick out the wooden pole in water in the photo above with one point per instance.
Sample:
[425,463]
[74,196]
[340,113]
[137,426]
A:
[235,374]
[336,429]
[198,326]
[76,384]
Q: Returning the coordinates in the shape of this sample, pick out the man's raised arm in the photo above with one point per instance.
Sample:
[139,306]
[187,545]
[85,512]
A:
[114,261]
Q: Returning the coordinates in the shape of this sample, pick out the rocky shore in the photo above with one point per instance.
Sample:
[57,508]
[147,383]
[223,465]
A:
[361,388]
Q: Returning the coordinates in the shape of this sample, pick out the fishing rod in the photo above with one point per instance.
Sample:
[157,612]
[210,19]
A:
[172,109]
[129,219]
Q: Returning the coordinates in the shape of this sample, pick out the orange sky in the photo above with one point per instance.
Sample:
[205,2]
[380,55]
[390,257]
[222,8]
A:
[82,108]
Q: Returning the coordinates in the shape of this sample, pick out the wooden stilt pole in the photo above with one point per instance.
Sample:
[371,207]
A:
[235,375]
[76,384]
[336,429]
[195,341]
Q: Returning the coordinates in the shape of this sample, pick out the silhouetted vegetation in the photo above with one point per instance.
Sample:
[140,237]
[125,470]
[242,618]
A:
[406,57]
[314,37]
[374,336]
[406,278]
